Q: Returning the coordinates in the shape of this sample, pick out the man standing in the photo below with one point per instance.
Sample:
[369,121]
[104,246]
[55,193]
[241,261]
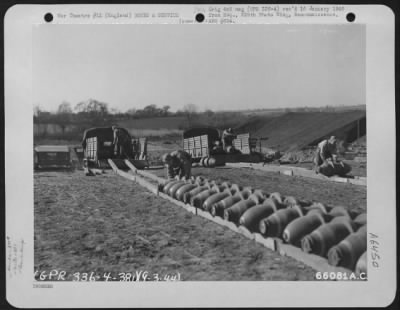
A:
[326,153]
[121,142]
[178,163]
[227,138]
[116,140]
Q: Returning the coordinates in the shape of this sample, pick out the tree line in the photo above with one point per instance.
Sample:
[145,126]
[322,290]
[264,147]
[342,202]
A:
[96,113]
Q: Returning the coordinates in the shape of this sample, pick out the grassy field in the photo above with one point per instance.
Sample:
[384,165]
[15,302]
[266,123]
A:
[166,123]
[292,131]
[109,227]
[157,133]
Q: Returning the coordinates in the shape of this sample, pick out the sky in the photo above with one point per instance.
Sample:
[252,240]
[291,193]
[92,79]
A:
[217,67]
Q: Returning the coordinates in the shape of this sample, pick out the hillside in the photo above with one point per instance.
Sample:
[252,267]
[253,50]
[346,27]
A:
[296,130]
[171,122]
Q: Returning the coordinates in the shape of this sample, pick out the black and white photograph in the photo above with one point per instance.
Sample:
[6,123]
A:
[200,152]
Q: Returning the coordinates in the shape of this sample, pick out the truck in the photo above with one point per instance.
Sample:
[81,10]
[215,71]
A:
[201,143]
[97,144]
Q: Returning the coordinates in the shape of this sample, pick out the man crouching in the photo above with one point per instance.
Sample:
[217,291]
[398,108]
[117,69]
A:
[178,163]
[326,153]
[325,160]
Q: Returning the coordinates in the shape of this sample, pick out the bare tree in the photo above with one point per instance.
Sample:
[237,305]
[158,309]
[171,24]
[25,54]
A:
[96,110]
[150,110]
[64,115]
[209,113]
[36,111]
[92,106]
[165,110]
[64,108]
[115,111]
[131,111]
[190,110]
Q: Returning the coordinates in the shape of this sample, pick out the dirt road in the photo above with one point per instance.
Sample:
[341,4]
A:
[108,226]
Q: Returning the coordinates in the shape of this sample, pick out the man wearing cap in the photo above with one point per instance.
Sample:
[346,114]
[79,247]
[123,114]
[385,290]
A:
[326,153]
[178,163]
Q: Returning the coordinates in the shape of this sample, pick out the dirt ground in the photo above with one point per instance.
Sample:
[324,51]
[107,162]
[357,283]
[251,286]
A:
[108,227]
[329,193]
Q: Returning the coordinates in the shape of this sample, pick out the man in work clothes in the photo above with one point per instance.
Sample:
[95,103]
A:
[227,138]
[178,163]
[121,142]
[325,153]
[217,148]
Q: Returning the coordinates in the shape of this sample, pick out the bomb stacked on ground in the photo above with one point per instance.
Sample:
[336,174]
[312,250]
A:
[335,233]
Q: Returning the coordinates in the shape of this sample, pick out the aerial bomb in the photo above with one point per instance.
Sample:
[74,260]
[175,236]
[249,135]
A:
[349,250]
[169,184]
[214,199]
[234,212]
[302,226]
[273,225]
[218,208]
[184,189]
[361,266]
[188,195]
[198,200]
[324,237]
[172,190]
[252,216]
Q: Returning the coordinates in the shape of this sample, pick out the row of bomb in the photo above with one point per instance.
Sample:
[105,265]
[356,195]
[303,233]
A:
[335,233]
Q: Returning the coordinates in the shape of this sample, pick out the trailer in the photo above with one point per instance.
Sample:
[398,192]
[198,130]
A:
[49,157]
[98,148]
[201,143]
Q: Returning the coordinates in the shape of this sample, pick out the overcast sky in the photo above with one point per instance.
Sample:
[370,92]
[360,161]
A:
[221,67]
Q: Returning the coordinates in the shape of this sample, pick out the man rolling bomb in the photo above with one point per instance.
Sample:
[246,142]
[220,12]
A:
[178,163]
